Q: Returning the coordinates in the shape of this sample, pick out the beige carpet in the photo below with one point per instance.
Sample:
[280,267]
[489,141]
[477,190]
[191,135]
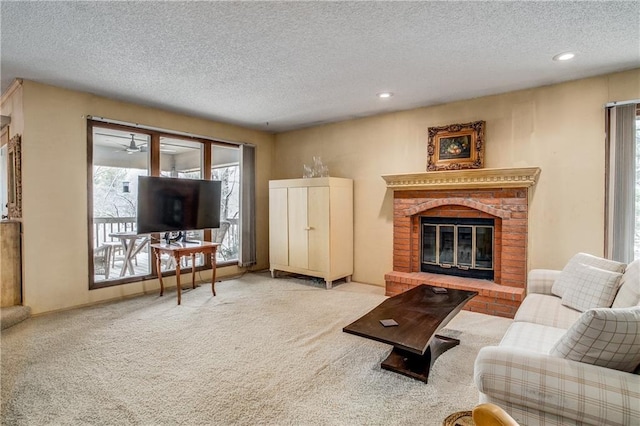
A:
[11,315]
[264,351]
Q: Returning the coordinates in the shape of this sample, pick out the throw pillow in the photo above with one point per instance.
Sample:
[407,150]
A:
[560,285]
[629,293]
[589,287]
[606,337]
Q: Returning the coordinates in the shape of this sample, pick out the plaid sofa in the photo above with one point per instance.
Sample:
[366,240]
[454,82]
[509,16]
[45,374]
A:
[537,388]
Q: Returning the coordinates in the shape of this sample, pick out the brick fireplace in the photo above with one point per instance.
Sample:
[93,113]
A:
[501,195]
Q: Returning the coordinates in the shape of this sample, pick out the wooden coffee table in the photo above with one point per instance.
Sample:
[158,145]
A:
[420,314]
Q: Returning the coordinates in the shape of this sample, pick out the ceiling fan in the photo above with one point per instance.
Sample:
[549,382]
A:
[132,147]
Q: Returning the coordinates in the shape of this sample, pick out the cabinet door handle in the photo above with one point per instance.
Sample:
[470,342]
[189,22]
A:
[308,228]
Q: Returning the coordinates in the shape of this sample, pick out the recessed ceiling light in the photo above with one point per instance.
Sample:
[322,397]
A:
[564,56]
[385,95]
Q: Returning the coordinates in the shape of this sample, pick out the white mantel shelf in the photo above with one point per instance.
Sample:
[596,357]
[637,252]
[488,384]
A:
[465,179]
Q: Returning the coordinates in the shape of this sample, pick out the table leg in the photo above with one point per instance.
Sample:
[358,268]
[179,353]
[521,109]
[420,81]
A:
[159,270]
[127,246]
[178,278]
[193,271]
[130,266]
[213,271]
[124,263]
[418,366]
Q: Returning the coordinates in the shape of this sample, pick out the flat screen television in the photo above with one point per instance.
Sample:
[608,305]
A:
[170,204]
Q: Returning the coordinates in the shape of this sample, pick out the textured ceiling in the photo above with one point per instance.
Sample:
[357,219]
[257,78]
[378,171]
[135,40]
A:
[298,64]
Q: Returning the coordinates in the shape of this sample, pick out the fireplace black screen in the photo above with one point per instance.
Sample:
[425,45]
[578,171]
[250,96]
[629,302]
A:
[458,246]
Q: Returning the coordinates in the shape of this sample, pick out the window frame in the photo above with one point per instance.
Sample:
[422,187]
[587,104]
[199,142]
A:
[154,170]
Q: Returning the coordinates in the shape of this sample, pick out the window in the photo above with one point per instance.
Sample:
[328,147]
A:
[225,163]
[118,155]
[118,159]
[182,159]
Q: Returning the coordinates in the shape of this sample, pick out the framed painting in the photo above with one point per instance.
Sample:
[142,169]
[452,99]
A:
[456,146]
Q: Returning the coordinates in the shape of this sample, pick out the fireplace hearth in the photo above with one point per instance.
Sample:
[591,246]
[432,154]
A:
[463,229]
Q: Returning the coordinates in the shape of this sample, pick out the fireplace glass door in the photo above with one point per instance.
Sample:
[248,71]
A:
[484,247]
[465,247]
[458,246]
[447,244]
[429,244]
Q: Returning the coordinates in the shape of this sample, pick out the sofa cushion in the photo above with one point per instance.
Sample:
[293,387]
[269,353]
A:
[591,287]
[533,337]
[565,277]
[606,337]
[546,310]
[629,292]
[540,281]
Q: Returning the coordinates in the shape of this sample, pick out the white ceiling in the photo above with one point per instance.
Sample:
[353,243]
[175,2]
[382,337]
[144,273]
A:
[298,64]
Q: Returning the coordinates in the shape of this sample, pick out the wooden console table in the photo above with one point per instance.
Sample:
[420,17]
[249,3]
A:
[177,250]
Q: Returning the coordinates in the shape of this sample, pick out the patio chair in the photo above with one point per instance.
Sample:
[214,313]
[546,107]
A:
[102,260]
[116,249]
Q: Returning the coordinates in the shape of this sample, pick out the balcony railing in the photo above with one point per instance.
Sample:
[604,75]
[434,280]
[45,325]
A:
[105,227]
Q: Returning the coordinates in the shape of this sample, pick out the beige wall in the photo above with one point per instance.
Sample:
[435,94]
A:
[558,128]
[55,262]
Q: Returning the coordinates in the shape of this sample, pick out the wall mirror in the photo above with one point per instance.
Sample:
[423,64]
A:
[14,178]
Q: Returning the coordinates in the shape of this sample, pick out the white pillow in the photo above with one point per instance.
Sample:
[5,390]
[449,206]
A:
[605,337]
[561,283]
[589,287]
[629,293]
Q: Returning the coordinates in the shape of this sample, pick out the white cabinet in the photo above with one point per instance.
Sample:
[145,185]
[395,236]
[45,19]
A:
[311,227]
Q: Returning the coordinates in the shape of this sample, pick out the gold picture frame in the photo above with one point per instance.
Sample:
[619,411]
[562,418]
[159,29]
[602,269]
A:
[456,147]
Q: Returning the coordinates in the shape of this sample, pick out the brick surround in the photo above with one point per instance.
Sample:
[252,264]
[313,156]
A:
[507,205]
